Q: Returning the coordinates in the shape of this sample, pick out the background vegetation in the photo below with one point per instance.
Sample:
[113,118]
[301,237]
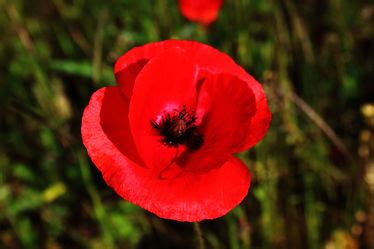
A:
[313,183]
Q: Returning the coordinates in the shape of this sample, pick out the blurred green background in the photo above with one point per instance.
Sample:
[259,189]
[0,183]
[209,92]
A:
[313,174]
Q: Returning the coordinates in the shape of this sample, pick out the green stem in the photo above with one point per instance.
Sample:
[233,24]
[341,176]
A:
[199,235]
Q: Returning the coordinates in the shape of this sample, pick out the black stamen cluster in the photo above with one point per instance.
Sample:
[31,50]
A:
[178,128]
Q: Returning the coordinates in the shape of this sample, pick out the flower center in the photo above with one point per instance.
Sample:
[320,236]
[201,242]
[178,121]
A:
[178,128]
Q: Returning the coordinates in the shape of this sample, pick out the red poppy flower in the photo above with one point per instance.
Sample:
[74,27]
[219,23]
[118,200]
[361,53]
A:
[164,137]
[202,11]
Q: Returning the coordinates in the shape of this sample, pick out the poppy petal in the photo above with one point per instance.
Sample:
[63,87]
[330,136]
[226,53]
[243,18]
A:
[224,126]
[195,196]
[214,61]
[107,115]
[209,59]
[128,66]
[159,89]
[126,77]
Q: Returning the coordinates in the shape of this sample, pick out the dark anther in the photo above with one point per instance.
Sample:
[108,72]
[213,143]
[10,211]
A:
[178,128]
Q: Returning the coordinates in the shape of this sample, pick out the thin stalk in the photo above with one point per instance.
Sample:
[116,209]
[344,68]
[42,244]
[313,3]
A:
[199,235]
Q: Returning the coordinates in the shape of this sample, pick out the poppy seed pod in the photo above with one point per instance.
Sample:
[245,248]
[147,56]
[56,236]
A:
[165,136]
